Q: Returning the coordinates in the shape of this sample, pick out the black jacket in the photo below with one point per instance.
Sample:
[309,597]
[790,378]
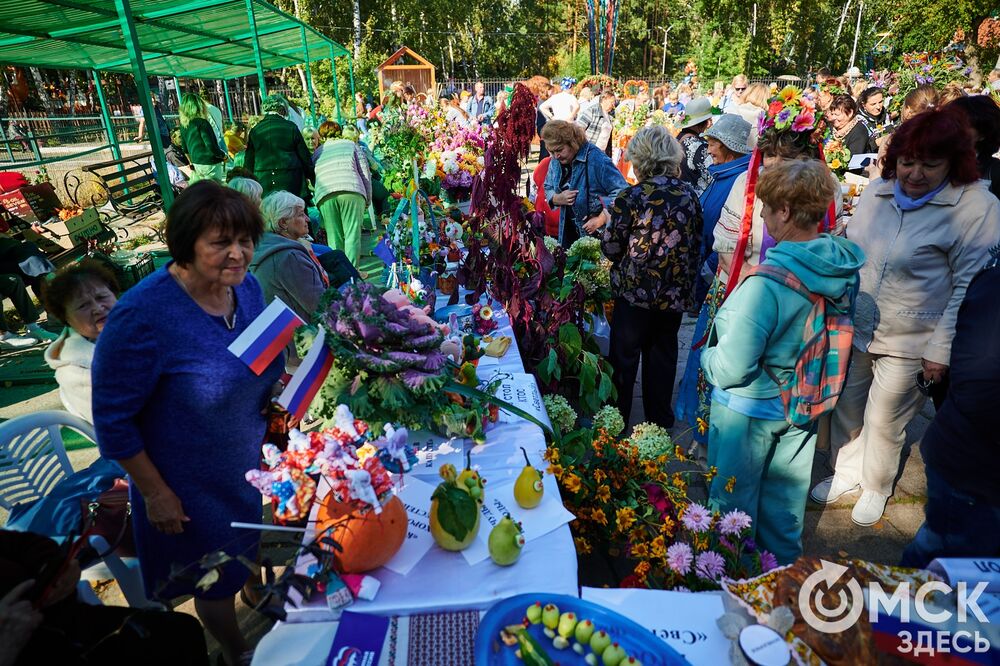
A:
[963,440]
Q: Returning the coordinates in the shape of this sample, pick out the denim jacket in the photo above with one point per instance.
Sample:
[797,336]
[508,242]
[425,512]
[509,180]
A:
[596,178]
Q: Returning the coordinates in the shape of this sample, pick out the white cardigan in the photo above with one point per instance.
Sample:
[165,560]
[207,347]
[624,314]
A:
[70,355]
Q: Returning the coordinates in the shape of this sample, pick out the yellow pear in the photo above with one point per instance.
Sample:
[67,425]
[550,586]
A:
[528,488]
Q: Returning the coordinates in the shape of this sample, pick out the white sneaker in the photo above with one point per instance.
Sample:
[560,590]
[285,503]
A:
[869,508]
[831,489]
[13,341]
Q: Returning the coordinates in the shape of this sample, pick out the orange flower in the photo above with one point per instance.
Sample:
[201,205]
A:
[702,425]
[712,471]
[604,494]
[641,570]
[730,484]
[597,515]
[625,517]
[640,550]
[658,547]
[556,471]
[667,527]
[599,476]
[582,545]
[572,483]
[775,107]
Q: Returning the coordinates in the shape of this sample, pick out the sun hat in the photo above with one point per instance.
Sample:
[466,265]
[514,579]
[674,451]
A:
[732,131]
[697,111]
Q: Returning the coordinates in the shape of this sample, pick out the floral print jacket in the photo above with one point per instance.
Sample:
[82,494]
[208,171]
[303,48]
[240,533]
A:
[654,244]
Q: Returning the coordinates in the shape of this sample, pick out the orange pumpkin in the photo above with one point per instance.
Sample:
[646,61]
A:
[368,540]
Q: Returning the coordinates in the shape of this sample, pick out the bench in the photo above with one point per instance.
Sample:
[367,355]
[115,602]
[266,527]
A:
[129,184]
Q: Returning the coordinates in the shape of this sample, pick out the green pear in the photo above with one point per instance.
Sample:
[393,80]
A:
[534,612]
[506,542]
[599,641]
[528,488]
[584,630]
[550,616]
[567,623]
[613,655]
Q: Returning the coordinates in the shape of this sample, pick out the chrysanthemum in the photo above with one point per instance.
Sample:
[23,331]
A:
[767,561]
[697,518]
[679,558]
[710,565]
[734,522]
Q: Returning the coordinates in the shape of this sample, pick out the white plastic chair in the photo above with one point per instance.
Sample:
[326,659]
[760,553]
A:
[33,461]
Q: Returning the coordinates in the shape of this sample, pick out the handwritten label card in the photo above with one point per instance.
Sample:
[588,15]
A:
[433,451]
[541,520]
[521,390]
[416,497]
[683,620]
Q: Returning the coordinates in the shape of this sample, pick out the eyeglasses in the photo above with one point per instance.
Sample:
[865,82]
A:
[741,89]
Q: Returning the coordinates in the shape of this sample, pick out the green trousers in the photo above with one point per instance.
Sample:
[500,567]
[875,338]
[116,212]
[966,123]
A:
[342,214]
[772,463]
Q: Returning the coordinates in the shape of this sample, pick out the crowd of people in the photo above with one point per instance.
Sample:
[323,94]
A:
[736,220]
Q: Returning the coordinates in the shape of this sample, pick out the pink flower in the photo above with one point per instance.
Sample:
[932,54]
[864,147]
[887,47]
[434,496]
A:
[679,558]
[657,498]
[767,561]
[710,565]
[734,522]
[804,121]
[697,518]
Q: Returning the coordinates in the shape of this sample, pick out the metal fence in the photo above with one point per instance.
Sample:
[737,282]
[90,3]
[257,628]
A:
[493,86]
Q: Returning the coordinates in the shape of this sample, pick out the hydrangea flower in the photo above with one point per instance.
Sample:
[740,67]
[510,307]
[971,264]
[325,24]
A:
[610,419]
[734,522]
[679,558]
[561,413]
[697,518]
[710,565]
[651,440]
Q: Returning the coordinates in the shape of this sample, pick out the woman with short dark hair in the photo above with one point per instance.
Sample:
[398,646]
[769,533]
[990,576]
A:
[81,295]
[873,112]
[847,126]
[181,413]
[926,227]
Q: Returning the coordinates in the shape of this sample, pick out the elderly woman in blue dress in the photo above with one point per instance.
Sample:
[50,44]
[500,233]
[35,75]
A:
[183,415]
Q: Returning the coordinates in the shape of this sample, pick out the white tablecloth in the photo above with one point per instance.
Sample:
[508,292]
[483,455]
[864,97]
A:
[444,581]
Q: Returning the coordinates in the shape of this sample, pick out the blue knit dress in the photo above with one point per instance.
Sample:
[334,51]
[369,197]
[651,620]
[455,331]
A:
[164,382]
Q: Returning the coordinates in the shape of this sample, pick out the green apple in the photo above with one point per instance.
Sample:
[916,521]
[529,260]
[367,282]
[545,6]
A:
[584,630]
[567,623]
[613,655]
[599,641]
[534,612]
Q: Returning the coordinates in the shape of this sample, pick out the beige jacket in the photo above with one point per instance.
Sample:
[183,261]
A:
[919,265]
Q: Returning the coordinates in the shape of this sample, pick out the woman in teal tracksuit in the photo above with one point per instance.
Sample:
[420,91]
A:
[761,326]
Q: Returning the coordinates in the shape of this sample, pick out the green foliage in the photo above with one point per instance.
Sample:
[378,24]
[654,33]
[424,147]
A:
[456,510]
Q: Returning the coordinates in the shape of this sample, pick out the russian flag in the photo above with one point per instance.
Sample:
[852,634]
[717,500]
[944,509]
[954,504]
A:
[306,381]
[266,336]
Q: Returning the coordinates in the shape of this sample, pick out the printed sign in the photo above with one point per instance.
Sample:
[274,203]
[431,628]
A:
[416,497]
[521,390]
[359,640]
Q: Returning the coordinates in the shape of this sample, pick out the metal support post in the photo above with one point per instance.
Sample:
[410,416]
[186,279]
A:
[256,49]
[131,39]
[109,126]
[6,144]
[229,105]
[336,93]
[309,78]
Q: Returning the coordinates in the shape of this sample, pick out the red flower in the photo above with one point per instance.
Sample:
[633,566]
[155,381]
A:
[631,580]
[658,499]
[775,107]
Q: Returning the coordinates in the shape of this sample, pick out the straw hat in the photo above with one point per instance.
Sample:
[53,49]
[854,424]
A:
[732,131]
[697,111]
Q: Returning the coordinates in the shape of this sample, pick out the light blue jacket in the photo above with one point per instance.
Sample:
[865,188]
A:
[597,180]
[761,324]
[715,195]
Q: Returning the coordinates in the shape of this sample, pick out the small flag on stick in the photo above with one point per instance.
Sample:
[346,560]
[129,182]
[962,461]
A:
[309,377]
[266,336]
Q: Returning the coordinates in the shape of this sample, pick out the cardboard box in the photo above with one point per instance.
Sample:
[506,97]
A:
[61,235]
[32,203]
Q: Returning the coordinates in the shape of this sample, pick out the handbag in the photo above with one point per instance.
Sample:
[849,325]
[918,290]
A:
[110,516]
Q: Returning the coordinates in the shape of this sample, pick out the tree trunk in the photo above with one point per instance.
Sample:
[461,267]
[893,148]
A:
[43,94]
[357,29]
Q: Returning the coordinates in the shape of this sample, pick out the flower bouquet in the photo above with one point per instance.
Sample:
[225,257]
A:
[586,265]
[837,156]
[456,157]
[791,110]
[629,495]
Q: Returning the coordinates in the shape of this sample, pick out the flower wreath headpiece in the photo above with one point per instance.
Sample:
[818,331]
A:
[791,111]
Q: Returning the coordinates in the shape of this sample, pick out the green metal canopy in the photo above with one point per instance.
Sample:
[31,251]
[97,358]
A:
[203,39]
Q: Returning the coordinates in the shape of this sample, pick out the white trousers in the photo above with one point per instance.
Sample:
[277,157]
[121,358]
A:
[868,428]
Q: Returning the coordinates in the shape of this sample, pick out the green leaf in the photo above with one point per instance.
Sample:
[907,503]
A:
[569,337]
[588,378]
[456,510]
[604,388]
